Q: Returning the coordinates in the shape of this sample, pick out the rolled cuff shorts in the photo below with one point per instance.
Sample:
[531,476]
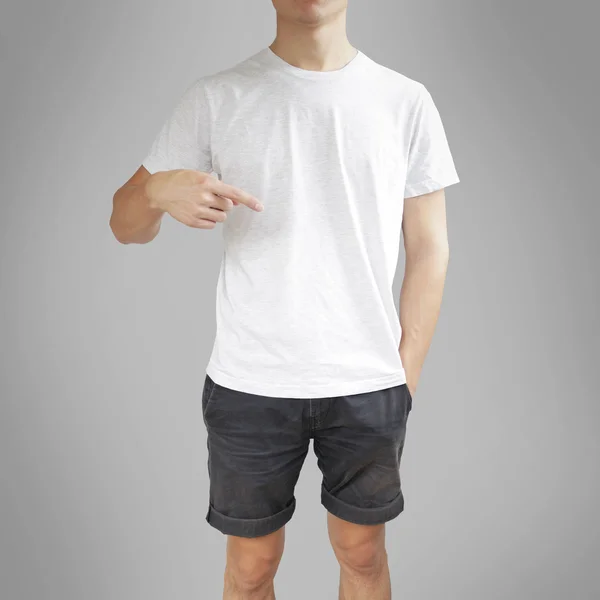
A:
[257,445]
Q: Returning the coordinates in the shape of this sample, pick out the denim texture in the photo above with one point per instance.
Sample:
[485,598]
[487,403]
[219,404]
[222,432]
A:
[257,446]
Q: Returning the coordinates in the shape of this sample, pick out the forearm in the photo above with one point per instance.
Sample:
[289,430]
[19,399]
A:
[134,220]
[420,303]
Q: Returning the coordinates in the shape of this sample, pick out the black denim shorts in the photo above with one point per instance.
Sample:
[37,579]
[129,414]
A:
[257,445]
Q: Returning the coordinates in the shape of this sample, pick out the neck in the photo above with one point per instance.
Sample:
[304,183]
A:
[321,47]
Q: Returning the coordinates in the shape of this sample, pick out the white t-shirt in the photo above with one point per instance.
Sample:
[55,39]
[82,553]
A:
[304,301]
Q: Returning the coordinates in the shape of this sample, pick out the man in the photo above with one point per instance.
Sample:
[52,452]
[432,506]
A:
[313,158]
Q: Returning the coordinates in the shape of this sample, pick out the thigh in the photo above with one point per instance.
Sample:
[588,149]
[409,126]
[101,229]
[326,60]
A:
[359,446]
[256,448]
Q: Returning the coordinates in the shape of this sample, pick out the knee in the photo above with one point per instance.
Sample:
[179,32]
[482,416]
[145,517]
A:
[252,573]
[362,557]
[252,565]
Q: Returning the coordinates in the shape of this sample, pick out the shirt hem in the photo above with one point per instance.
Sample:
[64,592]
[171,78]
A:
[319,390]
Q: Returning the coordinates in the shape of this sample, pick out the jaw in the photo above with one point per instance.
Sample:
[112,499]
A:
[312,12]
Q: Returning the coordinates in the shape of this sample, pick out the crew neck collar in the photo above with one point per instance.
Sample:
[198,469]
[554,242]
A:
[275,61]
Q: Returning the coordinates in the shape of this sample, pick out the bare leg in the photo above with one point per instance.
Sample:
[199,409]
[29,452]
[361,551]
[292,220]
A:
[251,566]
[360,550]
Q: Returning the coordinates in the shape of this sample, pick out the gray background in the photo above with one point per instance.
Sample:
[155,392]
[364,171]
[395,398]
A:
[103,346]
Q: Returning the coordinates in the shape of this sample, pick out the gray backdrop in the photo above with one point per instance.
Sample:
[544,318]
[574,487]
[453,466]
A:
[103,346]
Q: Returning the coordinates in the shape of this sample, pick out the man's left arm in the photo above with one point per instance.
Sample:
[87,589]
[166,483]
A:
[427,254]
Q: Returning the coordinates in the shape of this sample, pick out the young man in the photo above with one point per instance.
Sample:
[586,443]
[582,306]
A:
[313,158]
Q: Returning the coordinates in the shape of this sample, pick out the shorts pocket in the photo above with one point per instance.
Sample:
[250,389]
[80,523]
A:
[409,397]
[208,393]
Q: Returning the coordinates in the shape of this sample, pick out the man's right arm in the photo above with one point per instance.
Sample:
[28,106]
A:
[193,198]
[134,218]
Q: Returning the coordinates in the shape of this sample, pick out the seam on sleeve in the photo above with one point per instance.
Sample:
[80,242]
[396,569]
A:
[414,115]
[209,125]
[414,118]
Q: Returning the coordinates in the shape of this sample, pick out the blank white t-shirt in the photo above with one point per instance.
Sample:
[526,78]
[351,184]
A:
[304,301]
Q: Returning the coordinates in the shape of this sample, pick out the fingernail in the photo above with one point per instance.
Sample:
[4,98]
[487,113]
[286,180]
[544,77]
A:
[259,206]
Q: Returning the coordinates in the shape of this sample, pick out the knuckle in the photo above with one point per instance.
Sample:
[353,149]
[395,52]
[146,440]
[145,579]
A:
[206,197]
[202,177]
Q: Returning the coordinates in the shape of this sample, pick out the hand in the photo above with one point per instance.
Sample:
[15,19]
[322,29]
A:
[195,198]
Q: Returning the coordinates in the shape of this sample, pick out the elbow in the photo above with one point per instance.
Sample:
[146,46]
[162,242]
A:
[125,236]
[444,253]
[115,225]
[129,222]
[118,232]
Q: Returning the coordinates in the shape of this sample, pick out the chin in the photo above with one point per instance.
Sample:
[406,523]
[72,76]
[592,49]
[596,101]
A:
[311,11]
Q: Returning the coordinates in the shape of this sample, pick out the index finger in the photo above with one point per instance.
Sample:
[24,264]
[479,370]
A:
[234,193]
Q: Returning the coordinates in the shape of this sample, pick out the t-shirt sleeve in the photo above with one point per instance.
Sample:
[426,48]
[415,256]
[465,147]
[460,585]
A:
[430,165]
[183,141]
